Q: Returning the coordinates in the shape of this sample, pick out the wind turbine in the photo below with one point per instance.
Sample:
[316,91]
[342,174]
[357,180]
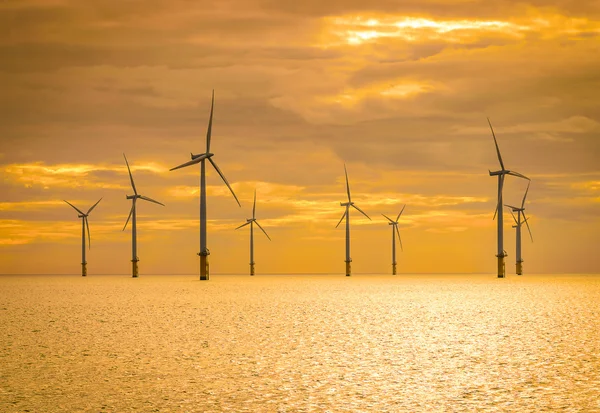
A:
[251,222]
[395,232]
[84,225]
[347,216]
[201,158]
[520,212]
[501,174]
[132,213]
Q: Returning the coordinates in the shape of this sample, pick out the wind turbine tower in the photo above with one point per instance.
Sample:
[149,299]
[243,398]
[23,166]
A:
[84,225]
[347,216]
[251,222]
[133,217]
[520,219]
[201,159]
[395,232]
[501,175]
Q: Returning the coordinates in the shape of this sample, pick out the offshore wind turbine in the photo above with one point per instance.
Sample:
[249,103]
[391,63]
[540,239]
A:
[347,216]
[201,159]
[519,222]
[395,232]
[251,222]
[84,225]
[501,174]
[133,214]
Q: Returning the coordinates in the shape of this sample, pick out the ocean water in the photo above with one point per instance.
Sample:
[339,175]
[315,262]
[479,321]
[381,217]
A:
[366,343]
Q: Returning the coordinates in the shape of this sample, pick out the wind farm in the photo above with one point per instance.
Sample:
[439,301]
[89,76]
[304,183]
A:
[501,174]
[251,222]
[133,217]
[84,225]
[245,121]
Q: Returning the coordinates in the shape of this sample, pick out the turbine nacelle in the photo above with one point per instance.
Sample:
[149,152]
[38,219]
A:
[501,172]
[204,155]
[346,203]
[514,208]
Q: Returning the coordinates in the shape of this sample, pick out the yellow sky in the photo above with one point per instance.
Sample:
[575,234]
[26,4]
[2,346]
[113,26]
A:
[398,92]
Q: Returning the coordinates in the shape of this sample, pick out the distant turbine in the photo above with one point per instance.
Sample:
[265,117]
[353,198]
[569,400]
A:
[520,212]
[201,158]
[251,222]
[395,232]
[84,225]
[501,174]
[347,216]
[132,212]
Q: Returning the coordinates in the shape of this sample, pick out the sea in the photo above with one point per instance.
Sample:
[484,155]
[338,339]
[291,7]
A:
[300,343]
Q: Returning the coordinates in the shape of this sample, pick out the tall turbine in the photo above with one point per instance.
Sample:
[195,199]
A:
[347,216]
[501,174]
[251,222]
[132,213]
[519,222]
[84,225]
[201,158]
[395,232]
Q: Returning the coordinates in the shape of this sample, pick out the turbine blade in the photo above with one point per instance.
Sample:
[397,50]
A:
[341,219]
[347,184]
[496,143]
[399,239]
[209,130]
[525,196]
[243,225]
[388,218]
[129,217]
[513,173]
[361,211]
[513,215]
[192,162]
[130,176]
[510,206]
[224,180]
[93,206]
[87,225]
[254,206]
[74,207]
[145,198]
[528,229]
[262,229]
[398,217]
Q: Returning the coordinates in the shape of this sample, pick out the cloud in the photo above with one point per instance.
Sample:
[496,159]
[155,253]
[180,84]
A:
[71,175]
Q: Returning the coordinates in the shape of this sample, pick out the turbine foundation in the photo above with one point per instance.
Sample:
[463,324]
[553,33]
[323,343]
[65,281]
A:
[501,269]
[519,267]
[348,269]
[84,269]
[134,269]
[204,268]
[394,269]
[251,268]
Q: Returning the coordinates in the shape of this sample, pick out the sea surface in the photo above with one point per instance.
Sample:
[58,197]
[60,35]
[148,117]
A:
[319,343]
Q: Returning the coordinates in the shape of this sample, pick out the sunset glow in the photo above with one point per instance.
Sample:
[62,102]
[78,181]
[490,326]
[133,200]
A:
[399,94]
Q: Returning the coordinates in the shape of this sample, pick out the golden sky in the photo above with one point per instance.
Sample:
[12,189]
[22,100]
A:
[399,91]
